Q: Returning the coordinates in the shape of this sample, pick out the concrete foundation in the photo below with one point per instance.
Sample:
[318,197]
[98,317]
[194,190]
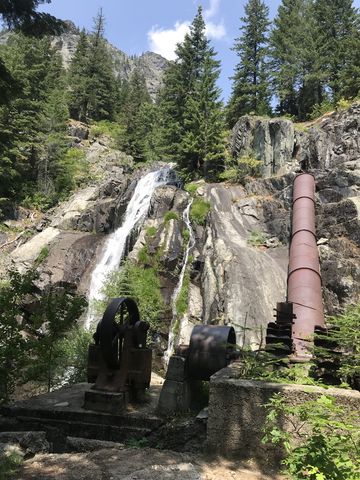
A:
[175,395]
[106,402]
[237,413]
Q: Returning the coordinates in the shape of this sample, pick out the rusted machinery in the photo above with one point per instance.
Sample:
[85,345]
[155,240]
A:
[211,348]
[304,279]
[119,363]
[303,310]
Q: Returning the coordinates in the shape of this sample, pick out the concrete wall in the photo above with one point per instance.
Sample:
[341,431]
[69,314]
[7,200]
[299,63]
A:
[237,413]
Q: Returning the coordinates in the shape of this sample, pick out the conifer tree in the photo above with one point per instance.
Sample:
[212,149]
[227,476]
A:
[337,23]
[101,78]
[137,95]
[202,145]
[78,93]
[91,77]
[33,123]
[190,104]
[286,54]
[250,90]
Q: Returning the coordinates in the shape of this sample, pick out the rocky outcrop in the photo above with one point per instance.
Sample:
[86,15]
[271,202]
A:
[331,142]
[149,64]
[242,277]
[271,141]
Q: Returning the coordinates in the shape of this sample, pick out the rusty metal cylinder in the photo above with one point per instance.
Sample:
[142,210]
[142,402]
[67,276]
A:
[304,279]
[211,349]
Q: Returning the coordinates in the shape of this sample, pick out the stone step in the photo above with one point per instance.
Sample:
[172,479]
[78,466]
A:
[125,420]
[57,430]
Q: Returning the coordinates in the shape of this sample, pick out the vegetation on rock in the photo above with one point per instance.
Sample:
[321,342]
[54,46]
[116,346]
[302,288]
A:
[141,284]
[199,211]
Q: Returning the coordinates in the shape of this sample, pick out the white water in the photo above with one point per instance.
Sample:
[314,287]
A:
[115,246]
[191,243]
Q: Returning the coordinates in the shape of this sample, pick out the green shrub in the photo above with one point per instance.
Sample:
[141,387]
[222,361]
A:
[229,175]
[191,188]
[185,235]
[182,301]
[320,109]
[170,216]
[115,130]
[143,255]
[10,463]
[35,356]
[44,253]
[199,211]
[142,284]
[346,334]
[343,104]
[151,232]
[256,238]
[74,354]
[73,172]
[321,441]
[248,166]
[39,201]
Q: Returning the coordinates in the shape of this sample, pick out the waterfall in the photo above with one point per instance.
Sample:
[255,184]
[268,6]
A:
[114,249]
[190,244]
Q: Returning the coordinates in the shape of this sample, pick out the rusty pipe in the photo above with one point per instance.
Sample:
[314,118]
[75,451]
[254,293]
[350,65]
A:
[304,287]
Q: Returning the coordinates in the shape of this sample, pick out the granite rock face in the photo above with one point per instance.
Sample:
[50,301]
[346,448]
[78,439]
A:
[150,64]
[271,141]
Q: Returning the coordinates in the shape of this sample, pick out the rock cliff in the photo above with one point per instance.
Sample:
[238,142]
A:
[150,64]
[237,267]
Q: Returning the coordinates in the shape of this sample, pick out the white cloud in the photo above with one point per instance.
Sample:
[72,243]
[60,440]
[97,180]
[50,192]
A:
[215,30]
[212,10]
[164,41]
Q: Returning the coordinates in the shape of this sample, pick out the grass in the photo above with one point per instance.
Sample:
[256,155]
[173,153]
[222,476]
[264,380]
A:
[199,211]
[191,188]
[44,253]
[185,235]
[256,238]
[170,216]
[151,232]
[182,300]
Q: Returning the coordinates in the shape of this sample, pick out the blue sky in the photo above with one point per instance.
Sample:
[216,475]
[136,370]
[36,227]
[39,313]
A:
[156,25]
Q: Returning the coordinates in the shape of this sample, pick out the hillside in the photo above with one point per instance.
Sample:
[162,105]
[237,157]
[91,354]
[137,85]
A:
[149,64]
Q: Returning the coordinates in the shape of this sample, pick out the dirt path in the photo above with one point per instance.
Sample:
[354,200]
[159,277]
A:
[136,464]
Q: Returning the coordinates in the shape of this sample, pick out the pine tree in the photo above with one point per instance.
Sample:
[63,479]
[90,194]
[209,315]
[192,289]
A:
[78,93]
[22,16]
[286,54]
[101,78]
[250,91]
[133,113]
[91,77]
[350,74]
[337,23]
[202,145]
[33,123]
[190,106]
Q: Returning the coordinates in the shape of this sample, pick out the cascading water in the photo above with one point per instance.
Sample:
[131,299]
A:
[114,249]
[191,243]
